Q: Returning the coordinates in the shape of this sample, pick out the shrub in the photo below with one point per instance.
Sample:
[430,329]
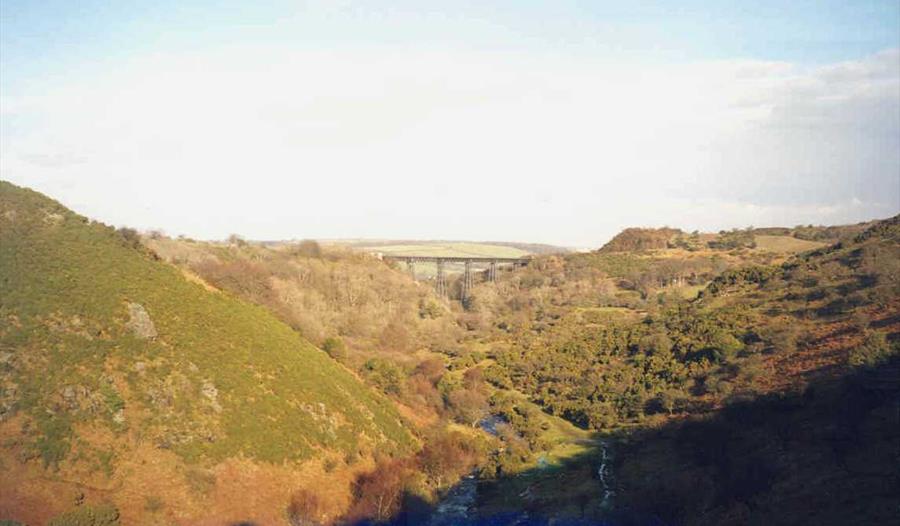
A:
[305,509]
[874,350]
[430,309]
[601,415]
[733,239]
[782,337]
[130,237]
[308,248]
[668,400]
[200,480]
[380,492]
[723,388]
[236,240]
[395,337]
[752,369]
[100,515]
[861,321]
[446,456]
[153,504]
[468,406]
[385,375]
[498,376]
[335,348]
[431,369]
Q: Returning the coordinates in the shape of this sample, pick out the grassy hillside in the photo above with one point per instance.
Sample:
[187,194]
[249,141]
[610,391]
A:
[778,240]
[787,244]
[97,335]
[638,239]
[337,298]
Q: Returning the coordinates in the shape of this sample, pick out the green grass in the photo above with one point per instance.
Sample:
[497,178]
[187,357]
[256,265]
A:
[690,292]
[567,440]
[559,481]
[65,286]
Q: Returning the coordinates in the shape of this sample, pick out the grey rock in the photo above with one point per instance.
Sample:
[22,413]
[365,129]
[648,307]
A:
[139,322]
[212,394]
[70,397]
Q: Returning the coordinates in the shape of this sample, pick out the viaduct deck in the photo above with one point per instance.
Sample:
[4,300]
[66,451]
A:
[440,282]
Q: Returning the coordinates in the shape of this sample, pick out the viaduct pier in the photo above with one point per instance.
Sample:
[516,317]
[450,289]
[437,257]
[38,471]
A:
[471,264]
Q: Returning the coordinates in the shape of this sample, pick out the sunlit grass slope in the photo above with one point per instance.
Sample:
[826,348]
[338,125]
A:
[221,378]
[786,244]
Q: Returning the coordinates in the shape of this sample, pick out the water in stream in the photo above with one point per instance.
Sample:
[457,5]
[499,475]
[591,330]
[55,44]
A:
[458,507]
[604,472]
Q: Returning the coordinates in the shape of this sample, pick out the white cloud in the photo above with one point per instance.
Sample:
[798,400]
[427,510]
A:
[385,142]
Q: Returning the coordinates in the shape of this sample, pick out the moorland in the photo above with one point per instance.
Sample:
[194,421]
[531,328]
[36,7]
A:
[745,376]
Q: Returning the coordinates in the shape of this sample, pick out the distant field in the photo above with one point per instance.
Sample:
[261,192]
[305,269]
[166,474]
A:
[448,250]
[786,244]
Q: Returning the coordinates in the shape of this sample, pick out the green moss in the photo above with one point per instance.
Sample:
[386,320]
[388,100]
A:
[52,443]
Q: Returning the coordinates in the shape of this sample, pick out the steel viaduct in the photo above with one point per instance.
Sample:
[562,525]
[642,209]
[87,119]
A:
[440,282]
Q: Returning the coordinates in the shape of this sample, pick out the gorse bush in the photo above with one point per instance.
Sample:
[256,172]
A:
[335,348]
[875,349]
[100,515]
[305,509]
[308,248]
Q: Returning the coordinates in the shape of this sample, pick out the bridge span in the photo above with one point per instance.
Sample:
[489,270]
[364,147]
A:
[440,282]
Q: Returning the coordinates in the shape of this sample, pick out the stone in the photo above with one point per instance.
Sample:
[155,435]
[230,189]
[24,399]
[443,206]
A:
[212,394]
[70,397]
[140,323]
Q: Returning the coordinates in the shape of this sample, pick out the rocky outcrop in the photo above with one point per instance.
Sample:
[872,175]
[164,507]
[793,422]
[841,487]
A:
[140,323]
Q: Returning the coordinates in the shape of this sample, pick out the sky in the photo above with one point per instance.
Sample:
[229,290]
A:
[559,122]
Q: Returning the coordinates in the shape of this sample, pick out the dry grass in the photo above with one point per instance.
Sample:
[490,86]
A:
[786,244]
[240,490]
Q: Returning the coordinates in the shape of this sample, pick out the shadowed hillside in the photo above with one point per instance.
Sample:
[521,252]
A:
[824,454]
[767,397]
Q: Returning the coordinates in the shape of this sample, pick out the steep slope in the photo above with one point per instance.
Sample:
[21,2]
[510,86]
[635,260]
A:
[812,439]
[769,399]
[104,350]
[638,239]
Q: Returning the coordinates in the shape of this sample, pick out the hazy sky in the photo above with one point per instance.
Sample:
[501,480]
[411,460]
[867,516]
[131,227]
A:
[554,121]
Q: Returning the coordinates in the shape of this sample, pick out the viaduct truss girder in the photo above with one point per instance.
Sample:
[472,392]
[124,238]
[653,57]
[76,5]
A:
[440,282]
